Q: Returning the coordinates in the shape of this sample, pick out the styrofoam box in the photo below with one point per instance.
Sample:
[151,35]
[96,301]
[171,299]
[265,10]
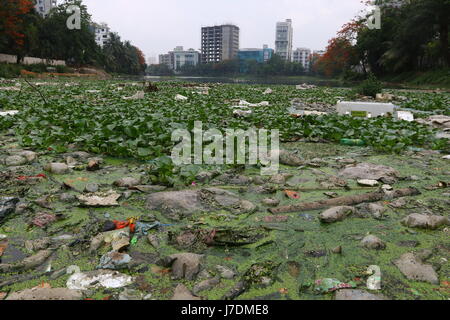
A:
[364,109]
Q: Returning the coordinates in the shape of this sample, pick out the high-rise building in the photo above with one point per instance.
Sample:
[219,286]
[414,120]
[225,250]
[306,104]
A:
[219,43]
[302,56]
[179,57]
[43,7]
[254,54]
[283,40]
[102,33]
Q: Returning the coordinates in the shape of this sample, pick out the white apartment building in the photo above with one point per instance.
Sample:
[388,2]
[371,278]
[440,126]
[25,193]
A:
[303,56]
[178,58]
[283,40]
[102,33]
[43,7]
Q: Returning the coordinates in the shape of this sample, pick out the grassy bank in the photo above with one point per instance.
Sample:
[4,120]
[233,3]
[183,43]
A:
[429,79]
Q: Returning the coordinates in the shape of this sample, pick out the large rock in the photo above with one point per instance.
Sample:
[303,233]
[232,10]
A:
[57,168]
[416,220]
[414,269]
[206,285]
[183,293]
[127,182]
[353,294]
[185,265]
[373,242]
[370,171]
[336,214]
[46,294]
[289,159]
[179,204]
[13,161]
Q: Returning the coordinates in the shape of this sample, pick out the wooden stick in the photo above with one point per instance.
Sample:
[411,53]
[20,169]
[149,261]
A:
[345,201]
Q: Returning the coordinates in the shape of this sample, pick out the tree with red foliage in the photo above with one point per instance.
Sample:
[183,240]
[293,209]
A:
[141,56]
[340,53]
[12,26]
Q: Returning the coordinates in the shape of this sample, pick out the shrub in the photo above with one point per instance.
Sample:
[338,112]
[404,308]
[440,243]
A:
[370,87]
[8,70]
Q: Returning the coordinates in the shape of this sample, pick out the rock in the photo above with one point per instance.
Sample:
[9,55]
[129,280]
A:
[42,219]
[183,293]
[176,204]
[149,189]
[153,240]
[336,214]
[93,165]
[225,272]
[413,268]
[131,295]
[38,244]
[14,161]
[67,197]
[370,171]
[337,250]
[367,183]
[81,155]
[114,260]
[206,285]
[28,263]
[271,202]
[30,156]
[108,199]
[98,279]
[422,221]
[289,159]
[71,162]
[185,265]
[91,188]
[399,203]
[272,219]
[127,182]
[409,243]
[373,242]
[57,168]
[353,294]
[376,210]
[46,294]
[279,178]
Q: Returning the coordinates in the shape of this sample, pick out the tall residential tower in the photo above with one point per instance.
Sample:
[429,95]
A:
[219,43]
[283,40]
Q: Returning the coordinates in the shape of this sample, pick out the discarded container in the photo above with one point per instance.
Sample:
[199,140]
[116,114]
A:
[404,115]
[329,285]
[98,279]
[365,109]
[7,206]
[353,142]
[8,113]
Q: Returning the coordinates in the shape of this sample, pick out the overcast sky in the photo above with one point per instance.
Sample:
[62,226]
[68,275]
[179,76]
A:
[157,26]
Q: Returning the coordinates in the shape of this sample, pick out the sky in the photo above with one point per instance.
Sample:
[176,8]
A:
[158,26]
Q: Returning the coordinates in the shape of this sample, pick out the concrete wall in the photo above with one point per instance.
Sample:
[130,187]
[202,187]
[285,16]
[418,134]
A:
[31,60]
